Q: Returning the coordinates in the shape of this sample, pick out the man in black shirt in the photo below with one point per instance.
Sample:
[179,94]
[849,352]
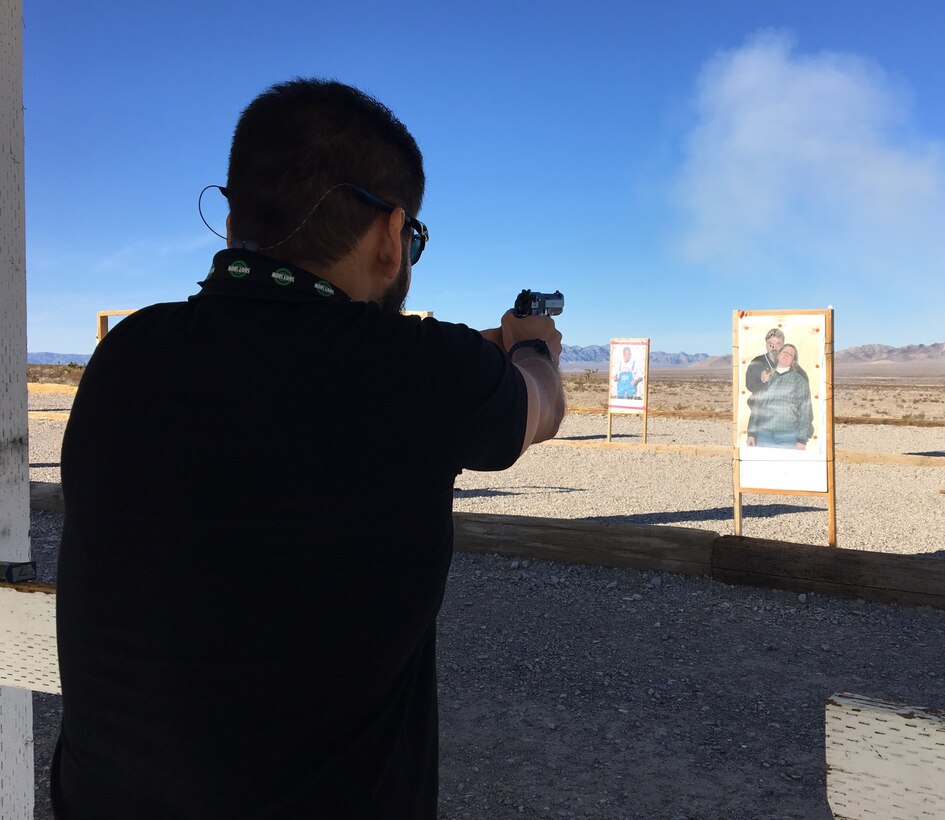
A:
[761,367]
[258,518]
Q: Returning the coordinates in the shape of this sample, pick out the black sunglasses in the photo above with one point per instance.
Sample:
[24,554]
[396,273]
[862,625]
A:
[420,233]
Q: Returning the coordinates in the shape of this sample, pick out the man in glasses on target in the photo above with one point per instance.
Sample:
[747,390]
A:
[258,521]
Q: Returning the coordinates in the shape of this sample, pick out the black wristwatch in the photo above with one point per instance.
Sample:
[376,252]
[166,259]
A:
[540,345]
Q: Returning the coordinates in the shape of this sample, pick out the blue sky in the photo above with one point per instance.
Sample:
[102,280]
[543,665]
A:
[660,163]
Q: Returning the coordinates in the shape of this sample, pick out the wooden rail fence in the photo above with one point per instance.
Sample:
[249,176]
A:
[905,579]
[918,580]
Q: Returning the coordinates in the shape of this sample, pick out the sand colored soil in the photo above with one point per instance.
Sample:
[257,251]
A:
[916,399]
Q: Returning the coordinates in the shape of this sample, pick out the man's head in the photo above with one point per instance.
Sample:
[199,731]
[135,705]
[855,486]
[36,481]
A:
[298,152]
[774,339]
[626,354]
[393,298]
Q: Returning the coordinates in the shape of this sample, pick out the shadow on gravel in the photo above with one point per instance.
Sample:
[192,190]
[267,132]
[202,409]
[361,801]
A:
[45,464]
[601,437]
[933,453]
[712,514]
[637,437]
[527,490]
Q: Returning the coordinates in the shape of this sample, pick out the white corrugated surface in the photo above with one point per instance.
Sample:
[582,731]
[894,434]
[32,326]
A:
[885,761]
[16,710]
[28,658]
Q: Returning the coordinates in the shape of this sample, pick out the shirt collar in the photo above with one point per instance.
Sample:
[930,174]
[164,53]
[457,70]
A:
[238,272]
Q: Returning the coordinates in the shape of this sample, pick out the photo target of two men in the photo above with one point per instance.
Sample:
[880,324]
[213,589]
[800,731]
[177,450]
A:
[781,398]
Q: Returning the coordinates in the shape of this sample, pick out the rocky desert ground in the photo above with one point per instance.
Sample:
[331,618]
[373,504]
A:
[897,395]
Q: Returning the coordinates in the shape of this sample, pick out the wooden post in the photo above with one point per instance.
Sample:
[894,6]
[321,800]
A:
[16,705]
[683,550]
[831,445]
[736,472]
[646,389]
[102,321]
[737,524]
[916,580]
[610,417]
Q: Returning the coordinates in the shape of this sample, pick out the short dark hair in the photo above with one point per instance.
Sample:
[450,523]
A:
[296,142]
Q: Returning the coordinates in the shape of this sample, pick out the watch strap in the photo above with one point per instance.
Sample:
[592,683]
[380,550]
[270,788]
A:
[539,345]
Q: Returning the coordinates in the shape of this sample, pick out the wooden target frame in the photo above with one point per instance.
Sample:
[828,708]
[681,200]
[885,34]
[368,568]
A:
[623,407]
[101,321]
[779,472]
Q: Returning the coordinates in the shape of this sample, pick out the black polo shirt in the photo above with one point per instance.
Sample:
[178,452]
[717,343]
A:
[258,488]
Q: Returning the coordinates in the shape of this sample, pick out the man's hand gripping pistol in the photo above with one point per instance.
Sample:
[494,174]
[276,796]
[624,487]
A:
[532,303]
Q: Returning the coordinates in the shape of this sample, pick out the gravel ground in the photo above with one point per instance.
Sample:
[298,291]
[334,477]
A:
[580,692]
[643,487]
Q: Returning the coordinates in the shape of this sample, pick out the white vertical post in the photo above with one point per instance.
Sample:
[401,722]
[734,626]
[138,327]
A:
[16,706]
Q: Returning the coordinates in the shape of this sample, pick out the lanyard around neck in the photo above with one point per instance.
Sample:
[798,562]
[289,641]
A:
[238,272]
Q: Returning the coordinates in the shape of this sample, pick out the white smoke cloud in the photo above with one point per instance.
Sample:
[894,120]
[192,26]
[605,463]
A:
[809,165]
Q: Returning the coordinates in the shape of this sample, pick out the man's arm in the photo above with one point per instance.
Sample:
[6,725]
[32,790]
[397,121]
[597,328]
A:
[545,395]
[540,372]
[755,376]
[494,335]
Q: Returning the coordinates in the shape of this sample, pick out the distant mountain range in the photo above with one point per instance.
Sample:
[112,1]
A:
[595,354]
[58,358]
[573,356]
[874,354]
[862,355]
[576,356]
